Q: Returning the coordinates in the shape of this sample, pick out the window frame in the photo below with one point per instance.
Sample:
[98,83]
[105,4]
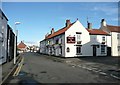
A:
[78,50]
[103,49]
[103,38]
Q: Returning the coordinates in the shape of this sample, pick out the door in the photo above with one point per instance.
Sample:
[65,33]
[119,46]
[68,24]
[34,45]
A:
[108,51]
[94,50]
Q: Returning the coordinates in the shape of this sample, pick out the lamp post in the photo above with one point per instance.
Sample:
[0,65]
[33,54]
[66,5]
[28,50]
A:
[16,23]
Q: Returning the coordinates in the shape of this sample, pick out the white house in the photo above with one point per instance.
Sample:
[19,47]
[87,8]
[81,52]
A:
[114,31]
[3,37]
[74,40]
[99,42]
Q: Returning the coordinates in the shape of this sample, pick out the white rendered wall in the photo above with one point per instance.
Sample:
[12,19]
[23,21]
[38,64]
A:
[114,44]
[77,27]
[109,41]
[99,39]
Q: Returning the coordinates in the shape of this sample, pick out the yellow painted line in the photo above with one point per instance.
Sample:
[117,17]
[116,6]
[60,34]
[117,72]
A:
[18,68]
[16,71]
[9,73]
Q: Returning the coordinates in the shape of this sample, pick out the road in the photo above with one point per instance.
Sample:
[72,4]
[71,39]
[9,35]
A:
[39,68]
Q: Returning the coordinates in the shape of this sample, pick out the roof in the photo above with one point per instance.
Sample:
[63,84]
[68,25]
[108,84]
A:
[61,31]
[97,32]
[21,45]
[113,28]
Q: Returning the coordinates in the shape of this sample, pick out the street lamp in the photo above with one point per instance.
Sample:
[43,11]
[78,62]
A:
[15,31]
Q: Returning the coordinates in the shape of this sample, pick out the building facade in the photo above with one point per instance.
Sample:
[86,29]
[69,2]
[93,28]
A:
[10,43]
[3,37]
[74,40]
[22,47]
[114,31]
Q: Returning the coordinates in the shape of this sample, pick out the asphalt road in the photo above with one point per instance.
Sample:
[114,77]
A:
[39,68]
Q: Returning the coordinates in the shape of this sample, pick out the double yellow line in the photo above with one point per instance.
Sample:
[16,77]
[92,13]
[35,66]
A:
[18,68]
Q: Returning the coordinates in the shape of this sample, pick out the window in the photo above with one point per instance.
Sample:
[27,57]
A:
[60,41]
[103,38]
[57,41]
[68,49]
[78,50]
[78,37]
[60,49]
[102,48]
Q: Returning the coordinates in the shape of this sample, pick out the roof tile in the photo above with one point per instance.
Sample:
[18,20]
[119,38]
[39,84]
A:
[113,28]
[97,32]
[61,31]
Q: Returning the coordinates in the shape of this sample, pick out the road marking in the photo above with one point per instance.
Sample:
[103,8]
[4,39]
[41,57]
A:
[9,73]
[16,71]
[18,68]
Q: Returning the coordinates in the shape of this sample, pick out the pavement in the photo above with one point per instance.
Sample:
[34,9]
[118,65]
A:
[39,69]
[8,68]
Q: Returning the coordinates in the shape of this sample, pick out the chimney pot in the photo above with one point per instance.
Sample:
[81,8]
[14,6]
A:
[103,22]
[68,23]
[52,31]
[89,25]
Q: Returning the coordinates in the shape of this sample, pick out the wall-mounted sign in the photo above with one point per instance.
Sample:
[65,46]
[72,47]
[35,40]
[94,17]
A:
[70,39]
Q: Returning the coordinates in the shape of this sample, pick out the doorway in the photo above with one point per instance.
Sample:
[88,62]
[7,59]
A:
[94,50]
[108,51]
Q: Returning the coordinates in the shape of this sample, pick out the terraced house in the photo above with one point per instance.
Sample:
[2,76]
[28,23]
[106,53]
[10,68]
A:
[74,40]
[114,32]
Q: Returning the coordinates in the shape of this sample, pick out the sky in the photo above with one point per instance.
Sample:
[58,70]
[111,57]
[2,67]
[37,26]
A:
[38,18]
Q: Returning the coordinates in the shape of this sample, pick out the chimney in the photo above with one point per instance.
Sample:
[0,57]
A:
[68,23]
[52,31]
[103,23]
[46,35]
[89,25]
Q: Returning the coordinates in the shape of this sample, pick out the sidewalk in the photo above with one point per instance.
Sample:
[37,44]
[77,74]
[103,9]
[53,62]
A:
[8,67]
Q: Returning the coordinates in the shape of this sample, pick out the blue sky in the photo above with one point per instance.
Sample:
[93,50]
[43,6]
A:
[37,18]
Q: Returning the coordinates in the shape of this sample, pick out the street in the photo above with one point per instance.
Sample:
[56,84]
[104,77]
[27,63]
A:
[38,68]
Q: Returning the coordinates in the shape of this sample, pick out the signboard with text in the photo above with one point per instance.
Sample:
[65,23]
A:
[70,39]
